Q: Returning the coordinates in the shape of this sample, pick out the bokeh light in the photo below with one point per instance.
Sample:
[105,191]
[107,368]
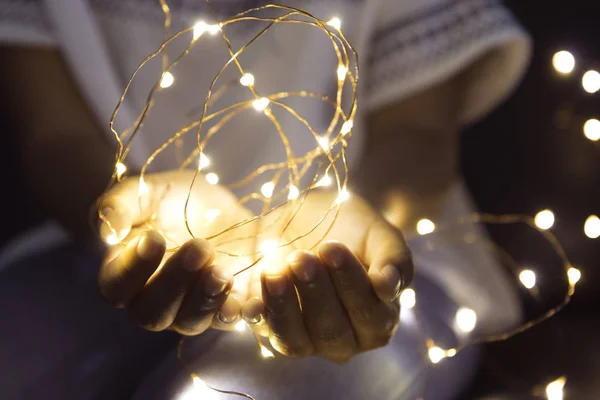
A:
[564,62]
[591,81]
[544,219]
[527,278]
[592,227]
[408,298]
[425,226]
[591,129]
[466,319]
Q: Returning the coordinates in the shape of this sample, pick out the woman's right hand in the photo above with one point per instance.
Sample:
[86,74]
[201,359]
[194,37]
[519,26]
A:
[189,289]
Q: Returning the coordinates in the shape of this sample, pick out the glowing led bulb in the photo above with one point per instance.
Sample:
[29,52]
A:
[544,219]
[247,80]
[143,187]
[347,127]
[240,326]
[466,319]
[261,104]
[335,22]
[563,62]
[167,80]
[591,129]
[324,143]
[527,278]
[591,81]
[408,298]
[343,196]
[203,161]
[212,214]
[202,27]
[294,193]
[325,181]
[266,353]
[212,178]
[591,228]
[121,168]
[425,227]
[267,189]
[574,275]
[198,390]
[341,72]
[268,247]
[436,354]
[554,390]
[112,239]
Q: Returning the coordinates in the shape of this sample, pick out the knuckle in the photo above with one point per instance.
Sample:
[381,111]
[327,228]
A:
[153,323]
[341,357]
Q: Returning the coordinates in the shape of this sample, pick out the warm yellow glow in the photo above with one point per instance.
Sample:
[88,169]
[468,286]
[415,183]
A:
[212,178]
[591,228]
[324,143]
[343,196]
[203,161]
[466,319]
[198,390]
[563,62]
[294,193]
[347,127]
[325,181]
[342,71]
[554,390]
[436,354]
[167,80]
[591,130]
[240,326]
[202,27]
[425,227]
[112,239]
[574,275]
[335,22]
[267,189]
[212,214]
[261,104]
[266,353]
[143,187]
[121,168]
[451,353]
[544,219]
[408,298]
[247,80]
[268,247]
[527,278]
[591,81]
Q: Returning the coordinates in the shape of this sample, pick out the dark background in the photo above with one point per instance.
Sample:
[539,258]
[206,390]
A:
[529,155]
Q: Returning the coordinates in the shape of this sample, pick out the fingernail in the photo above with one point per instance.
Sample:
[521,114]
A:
[253,320]
[334,255]
[217,283]
[106,212]
[196,255]
[276,285]
[149,246]
[303,267]
[393,276]
[226,319]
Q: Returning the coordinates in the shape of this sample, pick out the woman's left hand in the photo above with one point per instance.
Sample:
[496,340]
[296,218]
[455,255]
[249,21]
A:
[341,299]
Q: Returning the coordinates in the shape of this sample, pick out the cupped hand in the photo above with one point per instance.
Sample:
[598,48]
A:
[342,298]
[163,277]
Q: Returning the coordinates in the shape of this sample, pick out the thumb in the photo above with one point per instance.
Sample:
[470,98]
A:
[119,210]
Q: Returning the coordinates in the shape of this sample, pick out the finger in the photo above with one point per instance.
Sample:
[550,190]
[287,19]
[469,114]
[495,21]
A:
[120,209]
[228,314]
[287,333]
[324,316]
[374,321]
[207,295]
[253,312]
[122,277]
[389,260]
[157,305]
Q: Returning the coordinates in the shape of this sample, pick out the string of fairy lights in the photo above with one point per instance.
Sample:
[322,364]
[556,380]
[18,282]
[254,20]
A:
[329,153]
